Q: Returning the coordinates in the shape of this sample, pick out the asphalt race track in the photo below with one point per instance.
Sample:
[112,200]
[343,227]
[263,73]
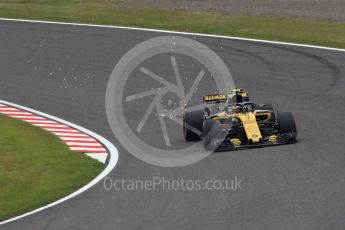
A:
[63,71]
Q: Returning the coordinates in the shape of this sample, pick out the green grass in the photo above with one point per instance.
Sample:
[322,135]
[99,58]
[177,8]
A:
[37,168]
[102,12]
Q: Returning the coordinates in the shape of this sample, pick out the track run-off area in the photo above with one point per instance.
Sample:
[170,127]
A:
[63,70]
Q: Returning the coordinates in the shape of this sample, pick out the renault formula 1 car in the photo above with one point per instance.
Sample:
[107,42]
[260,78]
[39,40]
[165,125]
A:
[229,121]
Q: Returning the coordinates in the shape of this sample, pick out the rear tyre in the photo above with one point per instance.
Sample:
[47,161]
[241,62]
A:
[286,123]
[192,123]
[210,131]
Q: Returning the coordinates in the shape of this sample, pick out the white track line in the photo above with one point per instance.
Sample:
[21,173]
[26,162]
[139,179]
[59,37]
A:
[176,32]
[99,156]
[113,158]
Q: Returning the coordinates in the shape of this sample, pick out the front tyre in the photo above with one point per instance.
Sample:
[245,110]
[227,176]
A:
[286,123]
[192,125]
[210,131]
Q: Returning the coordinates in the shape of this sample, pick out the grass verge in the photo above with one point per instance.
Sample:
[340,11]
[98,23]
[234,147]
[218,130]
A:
[37,168]
[306,31]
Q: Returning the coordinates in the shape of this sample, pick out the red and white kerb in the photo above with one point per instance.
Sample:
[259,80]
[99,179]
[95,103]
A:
[76,140]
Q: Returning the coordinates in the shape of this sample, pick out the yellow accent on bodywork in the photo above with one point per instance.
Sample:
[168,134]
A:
[250,126]
[235,141]
[222,115]
[215,97]
[273,138]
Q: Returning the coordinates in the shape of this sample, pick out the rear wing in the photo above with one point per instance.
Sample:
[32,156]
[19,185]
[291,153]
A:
[215,98]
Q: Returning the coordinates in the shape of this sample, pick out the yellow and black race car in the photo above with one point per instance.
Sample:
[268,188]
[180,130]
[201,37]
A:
[229,121]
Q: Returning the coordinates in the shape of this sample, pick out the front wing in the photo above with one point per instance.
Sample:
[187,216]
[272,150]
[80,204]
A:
[282,139]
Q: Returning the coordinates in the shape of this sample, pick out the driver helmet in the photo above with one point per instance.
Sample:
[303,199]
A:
[239,95]
[235,108]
